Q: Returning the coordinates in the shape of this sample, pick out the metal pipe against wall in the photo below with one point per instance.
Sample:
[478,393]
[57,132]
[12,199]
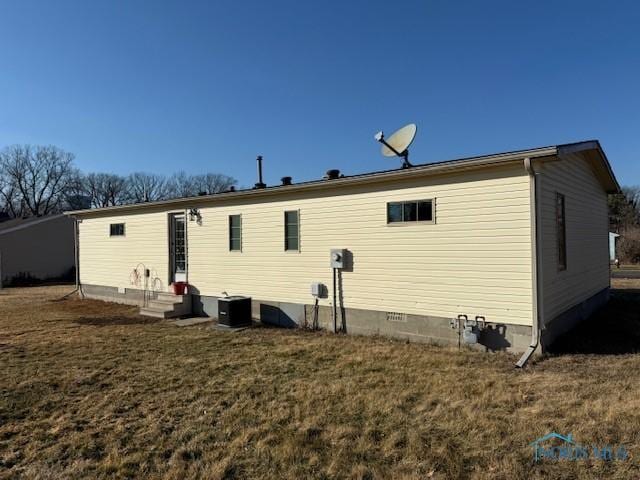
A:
[535,264]
[335,305]
[315,314]
[76,259]
[75,251]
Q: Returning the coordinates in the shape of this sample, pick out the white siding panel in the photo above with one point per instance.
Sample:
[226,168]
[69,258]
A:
[110,261]
[587,238]
[475,259]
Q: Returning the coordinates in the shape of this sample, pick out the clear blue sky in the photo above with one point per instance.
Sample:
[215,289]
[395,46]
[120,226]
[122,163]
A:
[206,86]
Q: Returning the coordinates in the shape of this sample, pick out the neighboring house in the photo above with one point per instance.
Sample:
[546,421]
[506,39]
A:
[613,240]
[518,239]
[36,249]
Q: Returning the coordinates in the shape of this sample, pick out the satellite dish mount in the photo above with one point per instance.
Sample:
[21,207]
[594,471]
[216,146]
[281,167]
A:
[398,143]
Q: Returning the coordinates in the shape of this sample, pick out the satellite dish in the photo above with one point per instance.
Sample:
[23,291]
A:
[398,143]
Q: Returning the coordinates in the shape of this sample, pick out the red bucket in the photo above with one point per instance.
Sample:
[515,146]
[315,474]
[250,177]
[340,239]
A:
[179,288]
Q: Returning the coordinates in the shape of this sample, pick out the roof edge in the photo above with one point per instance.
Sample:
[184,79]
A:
[608,178]
[32,223]
[445,167]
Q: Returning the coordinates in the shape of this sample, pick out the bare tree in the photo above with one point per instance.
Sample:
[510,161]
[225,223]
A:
[624,209]
[146,187]
[211,183]
[181,185]
[75,196]
[10,199]
[41,175]
[105,189]
[38,180]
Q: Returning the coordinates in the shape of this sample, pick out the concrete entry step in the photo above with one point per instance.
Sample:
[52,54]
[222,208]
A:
[147,312]
[170,297]
[168,305]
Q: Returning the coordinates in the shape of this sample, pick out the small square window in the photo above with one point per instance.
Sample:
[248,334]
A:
[116,230]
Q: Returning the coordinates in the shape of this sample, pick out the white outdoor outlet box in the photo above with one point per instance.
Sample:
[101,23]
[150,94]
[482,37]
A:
[338,257]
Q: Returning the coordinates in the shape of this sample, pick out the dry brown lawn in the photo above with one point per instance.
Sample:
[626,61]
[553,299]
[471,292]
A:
[92,390]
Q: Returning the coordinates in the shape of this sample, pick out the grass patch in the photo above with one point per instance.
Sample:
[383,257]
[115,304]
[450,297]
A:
[91,390]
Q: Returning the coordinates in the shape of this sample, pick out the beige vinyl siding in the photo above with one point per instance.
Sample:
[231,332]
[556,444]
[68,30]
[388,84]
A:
[587,235]
[110,261]
[475,259]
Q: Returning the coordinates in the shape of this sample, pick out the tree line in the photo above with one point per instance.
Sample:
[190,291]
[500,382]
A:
[624,219]
[39,180]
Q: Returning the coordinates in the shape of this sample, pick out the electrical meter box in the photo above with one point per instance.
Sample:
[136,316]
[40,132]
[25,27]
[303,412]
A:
[317,289]
[338,257]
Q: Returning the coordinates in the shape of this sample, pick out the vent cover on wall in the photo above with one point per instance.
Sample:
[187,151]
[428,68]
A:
[396,317]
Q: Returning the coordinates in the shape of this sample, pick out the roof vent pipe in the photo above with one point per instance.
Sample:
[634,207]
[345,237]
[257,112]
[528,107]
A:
[286,180]
[260,183]
[333,174]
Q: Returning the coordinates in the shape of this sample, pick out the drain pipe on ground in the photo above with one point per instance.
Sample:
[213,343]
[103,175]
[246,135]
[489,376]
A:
[536,267]
[76,254]
[76,259]
[335,300]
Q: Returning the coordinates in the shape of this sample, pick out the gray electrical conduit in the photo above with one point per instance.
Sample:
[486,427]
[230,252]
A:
[535,265]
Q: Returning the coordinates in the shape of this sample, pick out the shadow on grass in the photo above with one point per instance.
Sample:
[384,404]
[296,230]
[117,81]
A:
[115,320]
[613,330]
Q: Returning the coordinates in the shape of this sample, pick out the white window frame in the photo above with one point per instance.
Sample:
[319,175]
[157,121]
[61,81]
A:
[124,230]
[229,238]
[411,222]
[284,216]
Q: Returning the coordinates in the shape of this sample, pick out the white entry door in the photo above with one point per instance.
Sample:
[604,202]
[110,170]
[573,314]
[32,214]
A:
[178,248]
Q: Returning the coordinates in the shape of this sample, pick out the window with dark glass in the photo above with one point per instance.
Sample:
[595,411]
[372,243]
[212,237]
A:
[235,232]
[561,232]
[413,211]
[179,241]
[291,230]
[116,230]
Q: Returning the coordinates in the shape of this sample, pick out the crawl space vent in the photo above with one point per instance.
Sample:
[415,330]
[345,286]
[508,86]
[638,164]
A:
[396,317]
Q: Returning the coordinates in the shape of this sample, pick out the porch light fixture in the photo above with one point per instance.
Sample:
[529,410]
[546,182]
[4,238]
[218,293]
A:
[194,214]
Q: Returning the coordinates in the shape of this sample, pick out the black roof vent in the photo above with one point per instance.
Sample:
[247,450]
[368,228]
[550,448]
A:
[333,174]
[286,180]
[259,183]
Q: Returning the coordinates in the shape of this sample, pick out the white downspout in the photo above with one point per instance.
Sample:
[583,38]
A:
[536,268]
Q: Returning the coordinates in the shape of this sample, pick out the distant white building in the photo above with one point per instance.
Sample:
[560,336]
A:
[613,238]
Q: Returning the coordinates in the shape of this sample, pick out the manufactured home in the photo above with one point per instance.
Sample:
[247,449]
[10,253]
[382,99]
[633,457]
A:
[506,250]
